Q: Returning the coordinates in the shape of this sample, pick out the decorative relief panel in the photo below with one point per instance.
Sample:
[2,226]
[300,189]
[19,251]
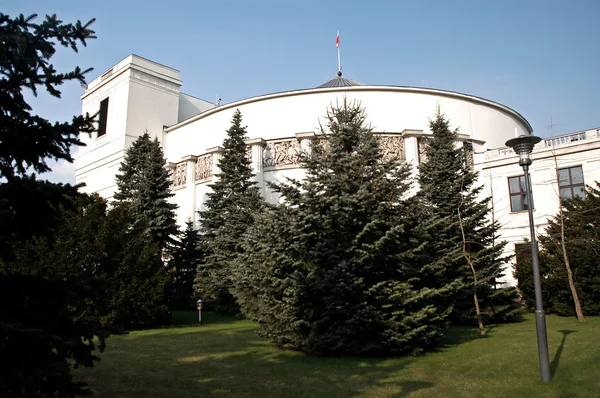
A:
[469,154]
[422,143]
[180,176]
[154,80]
[204,168]
[282,153]
[392,148]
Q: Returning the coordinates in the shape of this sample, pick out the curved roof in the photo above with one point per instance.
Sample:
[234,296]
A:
[340,81]
[357,88]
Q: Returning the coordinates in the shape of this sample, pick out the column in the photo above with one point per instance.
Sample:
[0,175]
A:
[256,151]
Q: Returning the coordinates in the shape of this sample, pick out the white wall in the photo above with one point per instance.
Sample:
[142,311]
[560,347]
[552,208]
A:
[143,95]
[389,109]
[500,165]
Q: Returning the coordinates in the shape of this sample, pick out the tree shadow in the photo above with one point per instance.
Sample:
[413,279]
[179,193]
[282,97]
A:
[457,335]
[236,362]
[556,360]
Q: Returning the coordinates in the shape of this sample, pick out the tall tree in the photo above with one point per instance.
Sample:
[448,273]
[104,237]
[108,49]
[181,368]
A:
[560,219]
[39,337]
[581,231]
[230,208]
[467,241]
[186,256]
[342,266]
[144,184]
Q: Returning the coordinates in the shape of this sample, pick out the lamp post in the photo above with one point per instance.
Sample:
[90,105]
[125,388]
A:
[199,305]
[523,146]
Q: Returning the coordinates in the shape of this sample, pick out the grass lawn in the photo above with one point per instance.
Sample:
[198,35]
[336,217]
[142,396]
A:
[224,357]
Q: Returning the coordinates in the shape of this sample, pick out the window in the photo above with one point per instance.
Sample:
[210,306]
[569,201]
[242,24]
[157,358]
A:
[570,182]
[519,200]
[103,117]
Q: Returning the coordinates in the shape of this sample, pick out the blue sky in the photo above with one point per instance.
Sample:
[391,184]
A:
[539,57]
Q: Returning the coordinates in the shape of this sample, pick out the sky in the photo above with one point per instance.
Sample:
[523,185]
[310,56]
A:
[539,57]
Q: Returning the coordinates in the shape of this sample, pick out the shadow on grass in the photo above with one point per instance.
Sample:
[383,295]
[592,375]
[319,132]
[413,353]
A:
[556,360]
[458,335]
[187,318]
[213,360]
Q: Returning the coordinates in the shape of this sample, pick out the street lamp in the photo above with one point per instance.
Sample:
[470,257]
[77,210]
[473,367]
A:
[523,146]
[199,305]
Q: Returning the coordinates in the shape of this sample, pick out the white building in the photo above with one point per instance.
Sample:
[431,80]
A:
[139,95]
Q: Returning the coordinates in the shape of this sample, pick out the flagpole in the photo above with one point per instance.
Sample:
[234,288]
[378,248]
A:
[337,42]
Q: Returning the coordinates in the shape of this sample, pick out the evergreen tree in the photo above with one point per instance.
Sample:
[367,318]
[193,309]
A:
[144,185]
[40,339]
[342,266]
[582,237]
[466,237]
[186,257]
[108,252]
[230,208]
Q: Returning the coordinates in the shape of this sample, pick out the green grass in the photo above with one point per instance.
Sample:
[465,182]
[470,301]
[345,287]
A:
[225,358]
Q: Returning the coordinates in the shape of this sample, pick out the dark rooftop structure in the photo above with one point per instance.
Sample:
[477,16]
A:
[340,81]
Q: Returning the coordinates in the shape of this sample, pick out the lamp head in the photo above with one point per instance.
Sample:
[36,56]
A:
[523,145]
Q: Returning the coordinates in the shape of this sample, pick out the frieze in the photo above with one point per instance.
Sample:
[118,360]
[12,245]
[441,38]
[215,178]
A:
[180,176]
[204,168]
[282,153]
[422,144]
[469,154]
[392,148]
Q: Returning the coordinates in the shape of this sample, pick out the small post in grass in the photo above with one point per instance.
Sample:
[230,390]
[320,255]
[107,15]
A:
[199,305]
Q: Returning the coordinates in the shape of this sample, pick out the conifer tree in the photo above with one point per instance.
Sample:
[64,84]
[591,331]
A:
[582,236]
[144,184]
[186,256]
[115,262]
[467,241]
[40,339]
[230,208]
[342,266]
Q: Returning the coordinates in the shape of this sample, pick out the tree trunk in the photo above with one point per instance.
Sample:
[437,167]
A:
[578,310]
[468,258]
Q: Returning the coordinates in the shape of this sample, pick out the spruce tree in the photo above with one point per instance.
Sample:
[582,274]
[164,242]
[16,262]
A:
[467,243]
[186,256]
[40,338]
[230,208]
[144,185]
[342,266]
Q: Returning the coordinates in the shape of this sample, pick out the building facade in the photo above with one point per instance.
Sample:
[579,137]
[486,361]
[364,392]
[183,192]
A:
[138,95]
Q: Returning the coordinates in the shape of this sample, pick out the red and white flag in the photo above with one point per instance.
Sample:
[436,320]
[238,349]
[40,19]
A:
[337,40]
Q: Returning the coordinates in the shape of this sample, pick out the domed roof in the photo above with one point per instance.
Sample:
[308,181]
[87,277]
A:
[340,81]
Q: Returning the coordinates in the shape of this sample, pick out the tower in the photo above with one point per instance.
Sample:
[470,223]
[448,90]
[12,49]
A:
[134,96]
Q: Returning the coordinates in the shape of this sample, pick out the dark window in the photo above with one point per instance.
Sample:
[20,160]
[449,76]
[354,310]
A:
[103,117]
[570,182]
[519,200]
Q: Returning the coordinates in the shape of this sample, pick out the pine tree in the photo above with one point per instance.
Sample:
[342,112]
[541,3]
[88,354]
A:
[144,184]
[230,208]
[186,257]
[40,337]
[342,266]
[467,241]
